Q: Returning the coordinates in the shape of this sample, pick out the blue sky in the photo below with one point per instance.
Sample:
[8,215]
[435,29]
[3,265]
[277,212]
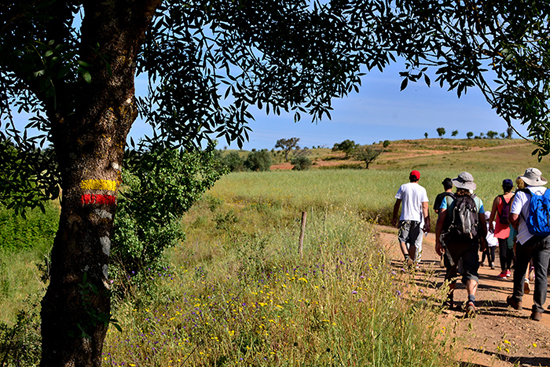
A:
[379,111]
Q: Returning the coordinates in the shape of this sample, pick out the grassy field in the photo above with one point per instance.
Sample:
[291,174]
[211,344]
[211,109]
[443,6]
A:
[372,192]
[237,292]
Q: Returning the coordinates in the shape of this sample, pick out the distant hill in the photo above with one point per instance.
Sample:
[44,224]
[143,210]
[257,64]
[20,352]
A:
[462,154]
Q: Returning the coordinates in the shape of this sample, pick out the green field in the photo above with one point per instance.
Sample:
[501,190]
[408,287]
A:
[371,192]
[238,293]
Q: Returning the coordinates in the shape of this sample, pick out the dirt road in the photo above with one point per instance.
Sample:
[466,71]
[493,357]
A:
[498,335]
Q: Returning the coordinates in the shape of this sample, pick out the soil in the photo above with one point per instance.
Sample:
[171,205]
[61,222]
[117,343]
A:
[498,335]
[403,150]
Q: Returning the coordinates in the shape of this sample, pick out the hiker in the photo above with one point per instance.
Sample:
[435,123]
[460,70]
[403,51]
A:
[448,190]
[492,243]
[533,240]
[530,273]
[414,220]
[460,226]
[500,215]
[448,187]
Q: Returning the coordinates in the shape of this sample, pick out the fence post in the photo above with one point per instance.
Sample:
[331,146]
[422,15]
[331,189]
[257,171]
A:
[302,232]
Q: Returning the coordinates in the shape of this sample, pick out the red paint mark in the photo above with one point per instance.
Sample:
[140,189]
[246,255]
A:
[98,199]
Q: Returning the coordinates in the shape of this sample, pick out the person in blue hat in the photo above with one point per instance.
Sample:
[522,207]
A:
[501,228]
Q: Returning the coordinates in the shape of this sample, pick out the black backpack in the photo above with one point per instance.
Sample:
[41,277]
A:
[505,212]
[462,217]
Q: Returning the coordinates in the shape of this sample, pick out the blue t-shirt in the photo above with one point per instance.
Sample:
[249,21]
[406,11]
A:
[477,200]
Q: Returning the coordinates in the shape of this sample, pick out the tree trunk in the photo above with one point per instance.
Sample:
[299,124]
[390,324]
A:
[89,143]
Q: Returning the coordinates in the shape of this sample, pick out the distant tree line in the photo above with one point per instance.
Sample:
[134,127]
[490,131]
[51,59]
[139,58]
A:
[489,135]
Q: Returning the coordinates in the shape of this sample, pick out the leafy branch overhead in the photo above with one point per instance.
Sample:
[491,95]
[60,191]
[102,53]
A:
[207,64]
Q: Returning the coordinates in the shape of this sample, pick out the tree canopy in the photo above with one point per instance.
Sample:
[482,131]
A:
[287,145]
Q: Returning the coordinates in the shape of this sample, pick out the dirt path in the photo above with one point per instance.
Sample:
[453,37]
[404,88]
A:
[498,335]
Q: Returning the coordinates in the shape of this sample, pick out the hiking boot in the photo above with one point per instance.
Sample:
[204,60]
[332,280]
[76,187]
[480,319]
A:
[409,263]
[512,302]
[470,309]
[502,274]
[526,286]
[536,316]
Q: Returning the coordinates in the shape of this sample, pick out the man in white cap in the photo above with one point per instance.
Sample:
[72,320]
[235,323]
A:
[461,241]
[414,219]
[529,246]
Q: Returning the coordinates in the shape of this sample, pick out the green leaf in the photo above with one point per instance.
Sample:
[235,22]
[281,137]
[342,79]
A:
[86,75]
[404,83]
[83,63]
[427,80]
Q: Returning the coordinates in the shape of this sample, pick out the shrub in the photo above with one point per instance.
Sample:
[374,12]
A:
[301,163]
[347,146]
[36,231]
[258,161]
[20,343]
[234,162]
[159,187]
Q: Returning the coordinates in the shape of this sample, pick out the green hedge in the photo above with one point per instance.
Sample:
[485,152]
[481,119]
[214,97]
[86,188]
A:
[37,231]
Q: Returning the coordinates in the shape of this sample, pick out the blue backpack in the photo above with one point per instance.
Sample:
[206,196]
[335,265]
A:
[538,221]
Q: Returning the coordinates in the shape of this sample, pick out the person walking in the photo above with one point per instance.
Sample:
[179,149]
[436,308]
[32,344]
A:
[460,226]
[501,230]
[448,191]
[492,244]
[529,246]
[414,220]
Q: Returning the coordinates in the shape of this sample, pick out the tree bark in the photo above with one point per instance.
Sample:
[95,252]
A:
[89,142]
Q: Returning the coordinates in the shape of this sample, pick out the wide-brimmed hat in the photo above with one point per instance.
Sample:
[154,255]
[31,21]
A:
[464,181]
[533,177]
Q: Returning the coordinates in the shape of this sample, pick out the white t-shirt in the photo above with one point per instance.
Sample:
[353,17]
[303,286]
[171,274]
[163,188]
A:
[520,206]
[412,195]
[492,241]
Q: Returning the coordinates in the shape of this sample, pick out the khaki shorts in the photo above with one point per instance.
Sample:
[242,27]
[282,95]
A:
[411,233]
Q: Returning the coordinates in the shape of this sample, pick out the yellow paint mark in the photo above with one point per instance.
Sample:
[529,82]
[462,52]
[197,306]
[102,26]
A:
[98,185]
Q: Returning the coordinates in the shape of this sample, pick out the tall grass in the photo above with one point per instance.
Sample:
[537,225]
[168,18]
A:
[240,294]
[24,245]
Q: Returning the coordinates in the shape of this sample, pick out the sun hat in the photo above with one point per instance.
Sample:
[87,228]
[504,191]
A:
[464,181]
[416,174]
[533,177]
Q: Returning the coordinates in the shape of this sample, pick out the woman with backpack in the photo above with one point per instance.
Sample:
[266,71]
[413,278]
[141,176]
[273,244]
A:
[460,226]
[500,215]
